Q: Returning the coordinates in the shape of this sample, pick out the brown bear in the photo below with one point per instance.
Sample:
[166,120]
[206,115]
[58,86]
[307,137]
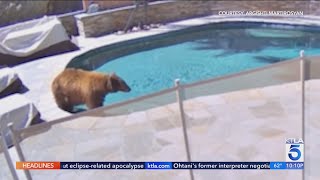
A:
[74,86]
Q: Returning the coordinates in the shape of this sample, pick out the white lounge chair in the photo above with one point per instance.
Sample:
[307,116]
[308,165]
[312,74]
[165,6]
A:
[25,41]
[19,110]
[9,82]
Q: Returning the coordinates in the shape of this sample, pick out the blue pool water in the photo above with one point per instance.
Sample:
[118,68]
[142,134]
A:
[208,54]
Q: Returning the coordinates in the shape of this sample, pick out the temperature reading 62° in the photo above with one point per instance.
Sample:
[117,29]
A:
[277,165]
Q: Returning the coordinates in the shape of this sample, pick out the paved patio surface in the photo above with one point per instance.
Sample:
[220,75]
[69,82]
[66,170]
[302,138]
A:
[249,125]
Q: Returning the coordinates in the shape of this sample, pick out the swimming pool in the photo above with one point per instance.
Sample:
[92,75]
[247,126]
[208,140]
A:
[203,53]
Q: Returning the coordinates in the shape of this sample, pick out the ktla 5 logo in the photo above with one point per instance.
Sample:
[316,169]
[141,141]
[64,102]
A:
[294,150]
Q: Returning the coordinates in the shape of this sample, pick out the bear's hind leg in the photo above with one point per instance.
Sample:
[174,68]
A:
[64,105]
[94,103]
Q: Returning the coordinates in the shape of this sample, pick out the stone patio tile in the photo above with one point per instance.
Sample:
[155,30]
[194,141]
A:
[199,118]
[172,152]
[63,152]
[210,100]
[222,111]
[238,96]
[84,122]
[138,141]
[163,124]
[199,114]
[311,110]
[51,114]
[269,109]
[269,132]
[173,136]
[312,85]
[97,149]
[312,157]
[290,120]
[291,105]
[158,113]
[193,105]
[174,107]
[288,89]
[311,97]
[48,138]
[136,118]
[109,122]
[5,171]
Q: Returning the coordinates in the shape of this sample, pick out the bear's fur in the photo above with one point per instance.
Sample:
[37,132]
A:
[74,86]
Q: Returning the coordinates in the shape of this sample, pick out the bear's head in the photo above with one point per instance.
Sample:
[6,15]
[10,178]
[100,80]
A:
[115,83]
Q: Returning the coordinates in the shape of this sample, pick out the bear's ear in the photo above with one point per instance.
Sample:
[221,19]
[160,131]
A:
[108,84]
[112,83]
[115,84]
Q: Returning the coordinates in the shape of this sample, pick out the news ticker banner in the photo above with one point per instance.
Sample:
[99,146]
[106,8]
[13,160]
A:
[160,165]
[294,160]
